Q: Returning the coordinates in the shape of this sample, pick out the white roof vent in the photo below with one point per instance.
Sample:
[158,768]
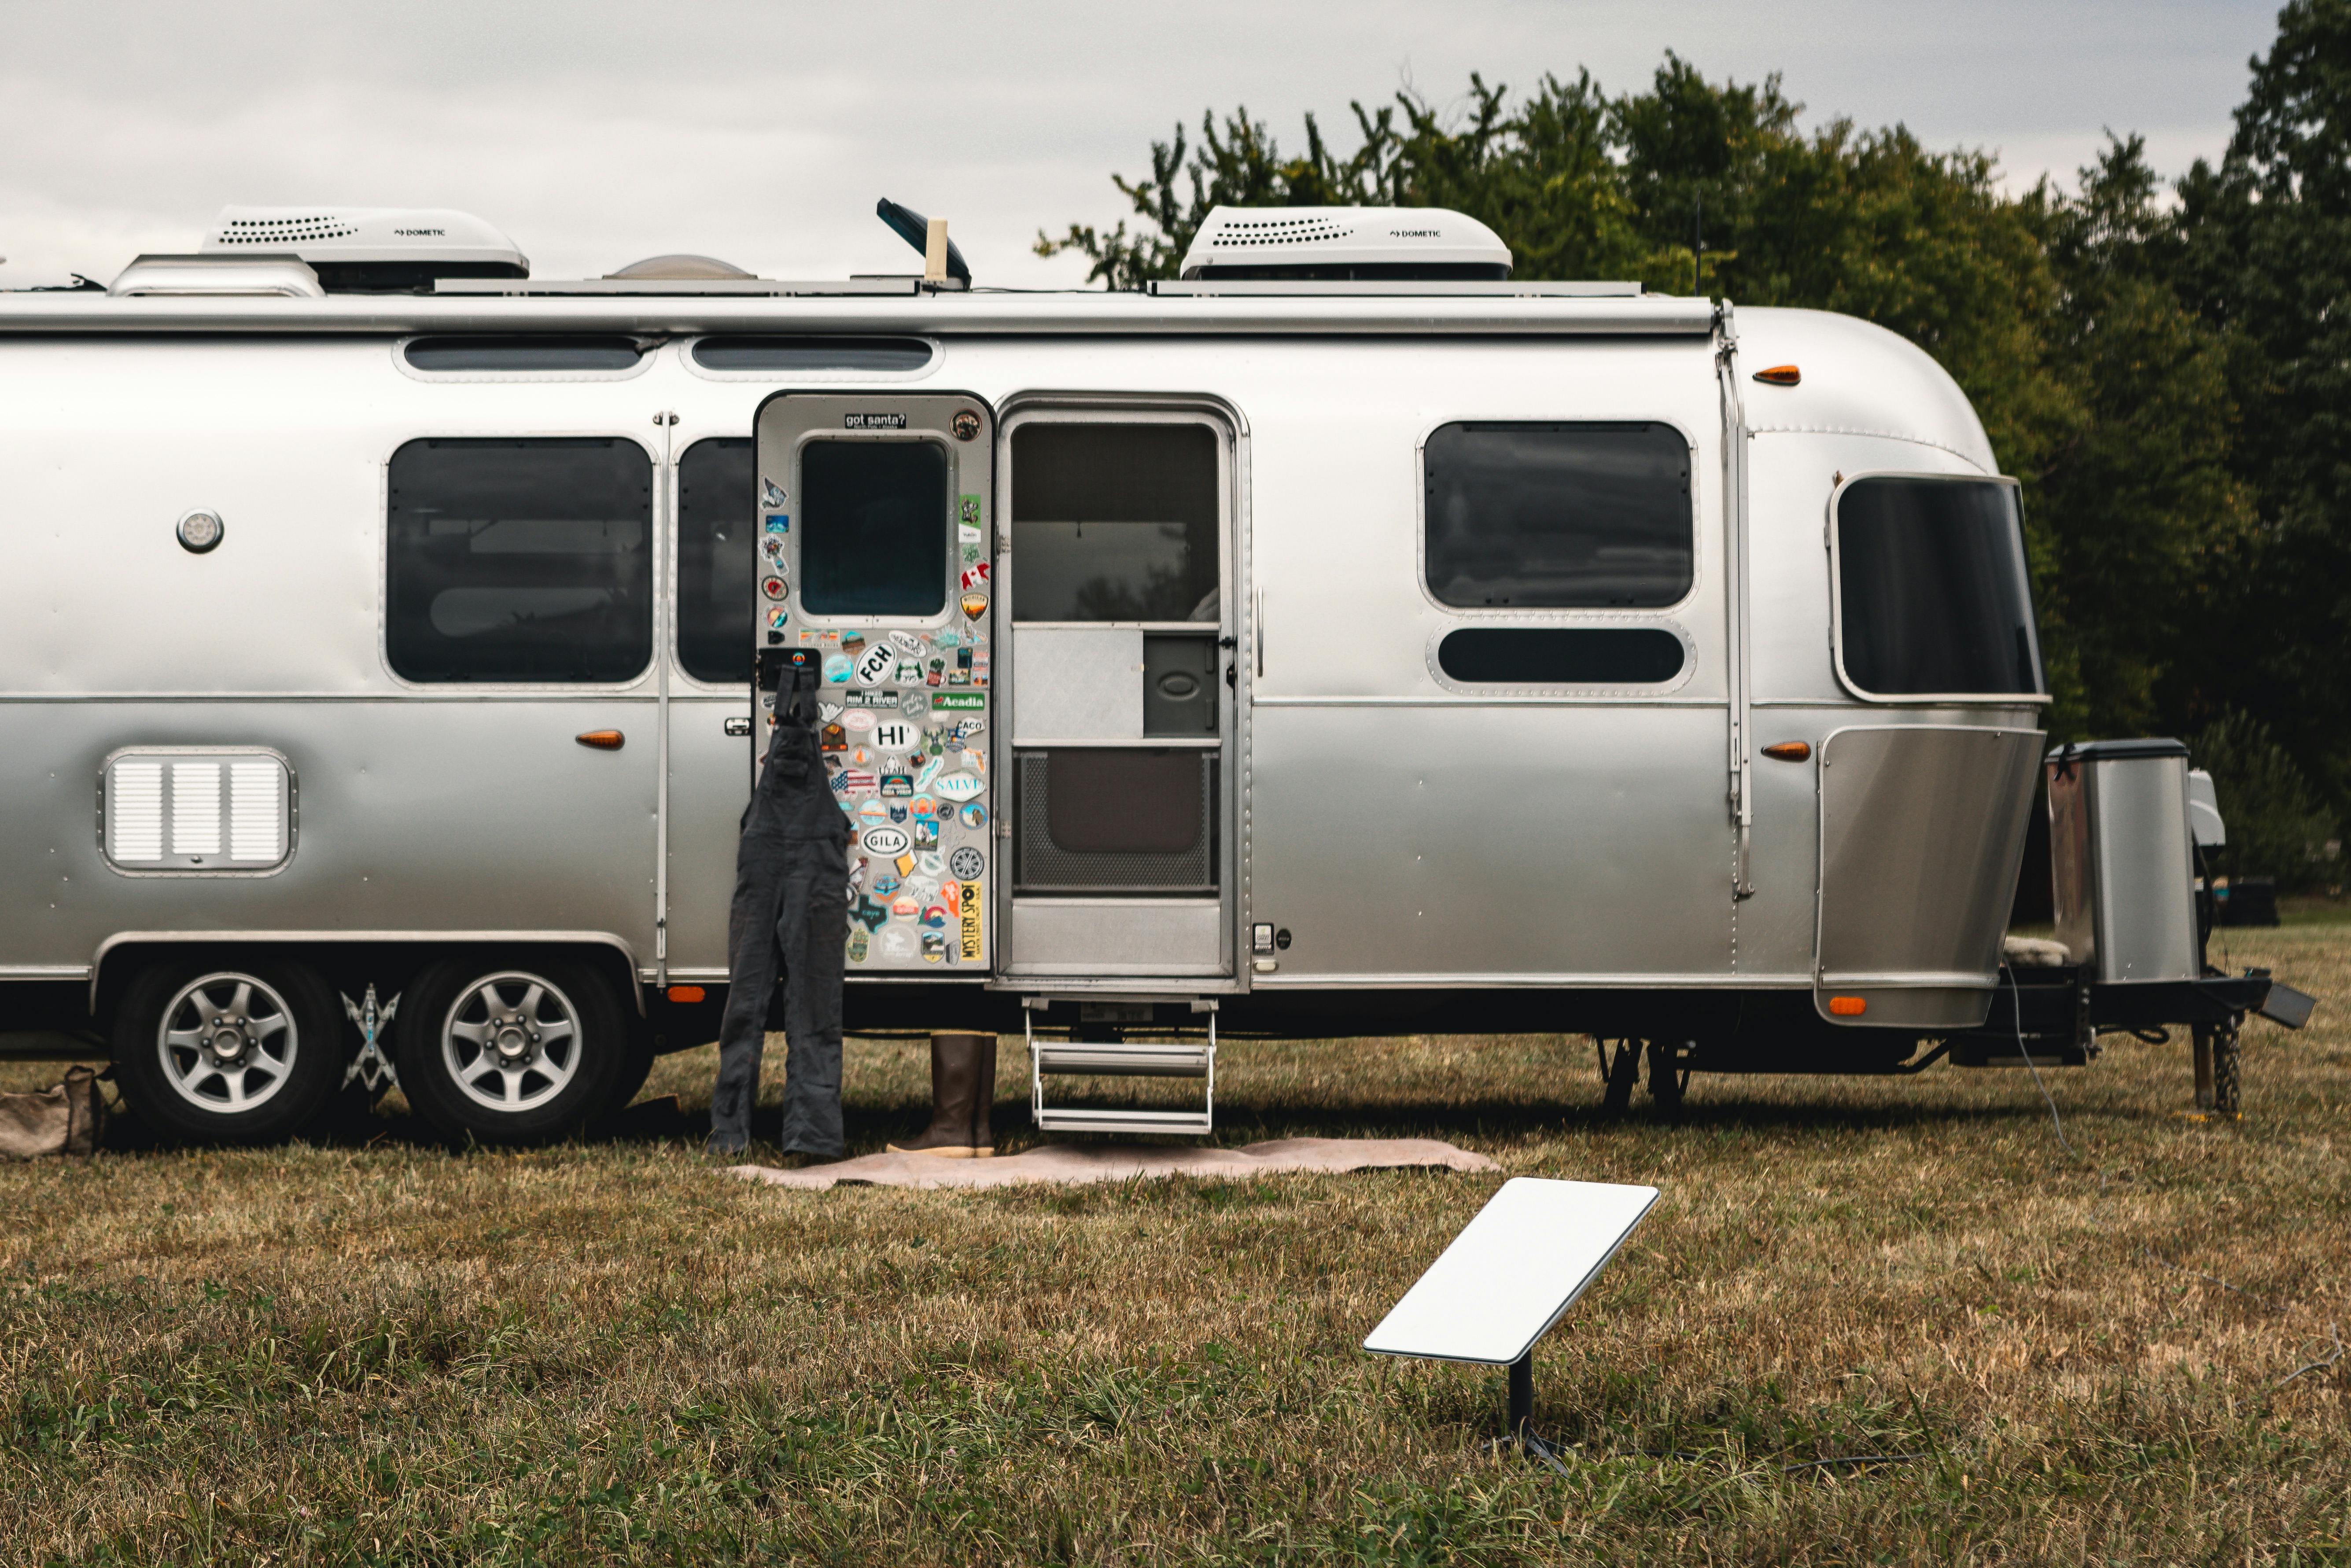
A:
[250,275]
[370,250]
[1345,243]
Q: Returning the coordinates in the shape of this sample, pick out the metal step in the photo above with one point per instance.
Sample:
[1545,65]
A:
[1138,1059]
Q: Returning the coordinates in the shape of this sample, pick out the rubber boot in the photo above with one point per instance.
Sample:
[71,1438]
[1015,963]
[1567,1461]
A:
[955,1085]
[983,1139]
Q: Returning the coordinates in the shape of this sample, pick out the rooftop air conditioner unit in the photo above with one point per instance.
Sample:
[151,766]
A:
[1345,244]
[371,250]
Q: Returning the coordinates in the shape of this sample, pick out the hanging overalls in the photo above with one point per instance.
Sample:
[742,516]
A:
[789,915]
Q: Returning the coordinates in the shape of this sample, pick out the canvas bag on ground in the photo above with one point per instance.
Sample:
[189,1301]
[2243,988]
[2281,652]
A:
[66,1120]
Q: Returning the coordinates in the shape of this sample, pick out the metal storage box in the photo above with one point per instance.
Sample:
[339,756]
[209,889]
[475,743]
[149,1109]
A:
[2121,859]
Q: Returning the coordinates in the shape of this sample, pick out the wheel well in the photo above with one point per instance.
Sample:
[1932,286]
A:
[350,968]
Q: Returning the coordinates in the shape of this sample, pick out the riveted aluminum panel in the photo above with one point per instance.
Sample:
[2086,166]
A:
[1116,936]
[415,815]
[1492,841]
[1922,829]
[1076,683]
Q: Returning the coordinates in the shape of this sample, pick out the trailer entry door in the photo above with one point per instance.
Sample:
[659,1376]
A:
[875,550]
[1122,711]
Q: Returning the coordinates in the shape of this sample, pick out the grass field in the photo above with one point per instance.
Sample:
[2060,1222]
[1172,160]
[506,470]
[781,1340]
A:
[609,1351]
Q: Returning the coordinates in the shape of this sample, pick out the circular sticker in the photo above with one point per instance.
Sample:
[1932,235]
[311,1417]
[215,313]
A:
[959,786]
[875,814]
[773,587]
[836,669]
[974,815]
[779,618]
[966,423]
[886,840]
[967,863]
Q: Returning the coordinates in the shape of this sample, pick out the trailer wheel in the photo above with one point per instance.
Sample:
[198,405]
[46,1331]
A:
[227,1050]
[512,1052]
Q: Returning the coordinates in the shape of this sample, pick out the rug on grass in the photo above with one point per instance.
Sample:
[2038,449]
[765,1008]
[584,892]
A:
[1074,1163]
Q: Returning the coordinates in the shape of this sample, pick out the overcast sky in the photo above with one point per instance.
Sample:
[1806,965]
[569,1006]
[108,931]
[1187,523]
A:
[598,132]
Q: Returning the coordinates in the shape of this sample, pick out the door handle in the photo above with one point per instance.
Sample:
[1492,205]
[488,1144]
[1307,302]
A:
[602,739]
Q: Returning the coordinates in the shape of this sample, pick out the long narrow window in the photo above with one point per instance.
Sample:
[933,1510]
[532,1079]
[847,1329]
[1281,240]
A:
[1527,516]
[715,551]
[521,561]
[1932,597]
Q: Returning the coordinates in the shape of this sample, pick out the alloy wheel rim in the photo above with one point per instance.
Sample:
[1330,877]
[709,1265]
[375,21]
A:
[228,1043]
[510,1042]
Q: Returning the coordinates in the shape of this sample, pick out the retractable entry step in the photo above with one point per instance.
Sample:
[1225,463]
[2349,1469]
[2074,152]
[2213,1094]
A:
[1120,1058]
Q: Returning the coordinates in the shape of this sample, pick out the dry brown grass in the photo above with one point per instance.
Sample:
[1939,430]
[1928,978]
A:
[609,1351]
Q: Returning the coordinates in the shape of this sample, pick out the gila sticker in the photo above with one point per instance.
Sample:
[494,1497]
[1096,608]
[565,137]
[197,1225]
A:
[886,841]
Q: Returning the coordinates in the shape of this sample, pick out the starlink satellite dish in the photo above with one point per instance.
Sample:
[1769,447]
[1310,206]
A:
[1512,1272]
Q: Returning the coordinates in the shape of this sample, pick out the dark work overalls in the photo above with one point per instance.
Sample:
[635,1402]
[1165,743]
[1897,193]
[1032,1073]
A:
[789,923]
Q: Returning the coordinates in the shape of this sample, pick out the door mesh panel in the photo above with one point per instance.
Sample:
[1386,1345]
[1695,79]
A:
[1164,798]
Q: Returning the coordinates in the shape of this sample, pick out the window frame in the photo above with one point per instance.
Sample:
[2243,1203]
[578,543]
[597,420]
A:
[292,806]
[662,494]
[1836,597]
[1667,618]
[951,580]
[1543,614]
[1222,428]
[672,499]
[684,347]
[400,362]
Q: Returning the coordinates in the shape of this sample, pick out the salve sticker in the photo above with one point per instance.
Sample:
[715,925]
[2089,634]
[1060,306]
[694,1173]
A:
[959,786]
[971,922]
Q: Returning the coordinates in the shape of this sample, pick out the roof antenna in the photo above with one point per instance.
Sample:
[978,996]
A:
[917,230]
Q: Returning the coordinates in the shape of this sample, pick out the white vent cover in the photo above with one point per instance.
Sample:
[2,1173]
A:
[1342,237]
[362,234]
[185,808]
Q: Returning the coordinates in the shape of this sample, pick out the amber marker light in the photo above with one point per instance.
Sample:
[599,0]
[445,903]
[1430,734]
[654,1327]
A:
[686,993]
[602,739]
[1790,751]
[1780,375]
[1848,1007]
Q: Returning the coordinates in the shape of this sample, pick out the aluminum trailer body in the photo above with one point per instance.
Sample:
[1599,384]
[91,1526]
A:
[1638,786]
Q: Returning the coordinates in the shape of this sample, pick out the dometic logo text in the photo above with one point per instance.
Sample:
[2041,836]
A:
[873,421]
[419,234]
[1412,234]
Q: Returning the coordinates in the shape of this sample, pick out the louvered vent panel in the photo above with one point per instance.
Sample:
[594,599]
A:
[196,809]
[134,813]
[257,811]
[179,808]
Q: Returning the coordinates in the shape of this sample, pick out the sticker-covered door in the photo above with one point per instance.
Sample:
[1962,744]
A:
[876,543]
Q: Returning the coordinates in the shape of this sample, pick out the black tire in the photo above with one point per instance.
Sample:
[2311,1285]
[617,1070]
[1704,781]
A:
[546,1084]
[279,1018]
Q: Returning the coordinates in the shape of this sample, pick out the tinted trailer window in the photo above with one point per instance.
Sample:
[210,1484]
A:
[1932,597]
[874,522]
[715,552]
[520,561]
[1558,516]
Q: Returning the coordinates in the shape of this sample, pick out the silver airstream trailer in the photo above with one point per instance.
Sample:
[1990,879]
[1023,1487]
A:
[1345,638]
